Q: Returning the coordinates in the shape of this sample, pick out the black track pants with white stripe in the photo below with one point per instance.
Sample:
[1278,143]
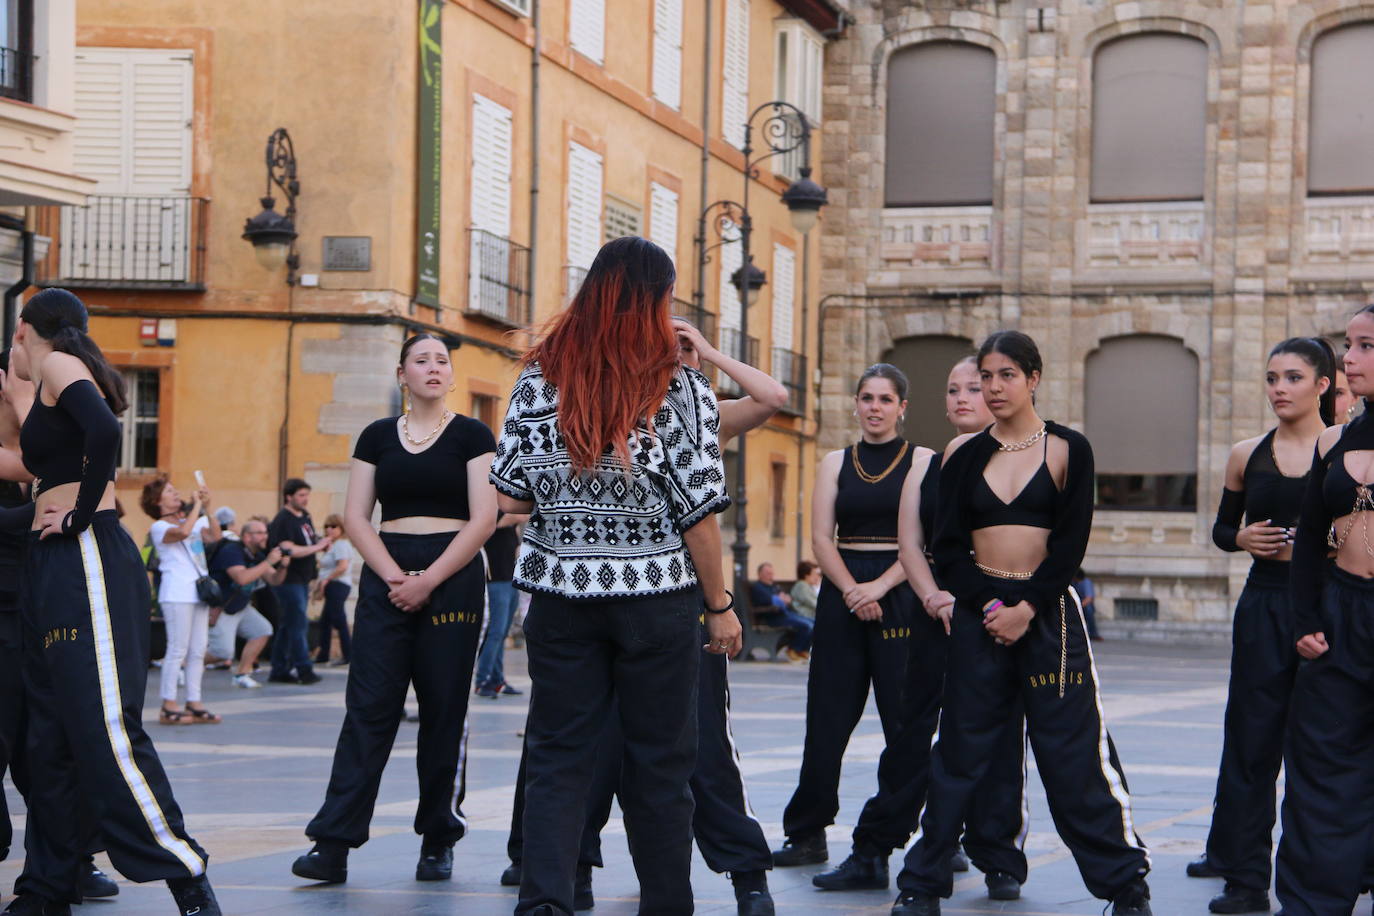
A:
[986,686]
[86,666]
[434,648]
[996,827]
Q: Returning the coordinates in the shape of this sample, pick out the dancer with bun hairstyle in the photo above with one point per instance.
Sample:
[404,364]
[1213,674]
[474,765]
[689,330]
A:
[86,603]
[1259,507]
[1012,524]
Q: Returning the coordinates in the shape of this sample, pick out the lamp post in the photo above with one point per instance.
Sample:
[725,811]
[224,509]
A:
[784,130]
[273,234]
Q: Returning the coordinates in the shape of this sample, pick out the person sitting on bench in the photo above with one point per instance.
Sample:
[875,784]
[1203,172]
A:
[773,607]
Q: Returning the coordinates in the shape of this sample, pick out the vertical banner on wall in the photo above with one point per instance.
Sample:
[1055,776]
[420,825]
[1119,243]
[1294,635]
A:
[430,142]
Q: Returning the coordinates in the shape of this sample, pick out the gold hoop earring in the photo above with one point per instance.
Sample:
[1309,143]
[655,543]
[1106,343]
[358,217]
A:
[453,387]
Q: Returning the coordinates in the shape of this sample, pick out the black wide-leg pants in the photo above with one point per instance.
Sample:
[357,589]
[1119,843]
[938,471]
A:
[644,653]
[847,655]
[85,616]
[996,830]
[988,686]
[13,711]
[1263,666]
[1328,803]
[434,648]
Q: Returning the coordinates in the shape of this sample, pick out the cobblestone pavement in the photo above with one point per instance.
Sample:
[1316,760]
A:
[250,785]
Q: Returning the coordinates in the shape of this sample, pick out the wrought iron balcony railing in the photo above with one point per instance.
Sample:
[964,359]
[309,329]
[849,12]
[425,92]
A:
[498,279]
[702,320]
[790,369]
[572,281]
[126,242]
[16,75]
[736,345]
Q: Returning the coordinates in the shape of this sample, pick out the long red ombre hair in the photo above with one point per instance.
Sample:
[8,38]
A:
[612,353]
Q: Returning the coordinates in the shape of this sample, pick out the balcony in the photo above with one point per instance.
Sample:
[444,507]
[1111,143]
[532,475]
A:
[572,281]
[1158,235]
[699,318]
[126,242]
[737,346]
[1340,229]
[498,279]
[941,238]
[16,75]
[790,369]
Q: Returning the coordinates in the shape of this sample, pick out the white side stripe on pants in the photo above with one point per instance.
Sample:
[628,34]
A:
[112,707]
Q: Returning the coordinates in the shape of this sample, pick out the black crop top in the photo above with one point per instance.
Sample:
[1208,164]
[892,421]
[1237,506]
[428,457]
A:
[433,482]
[930,494]
[1033,506]
[1266,493]
[1070,516]
[75,441]
[868,511]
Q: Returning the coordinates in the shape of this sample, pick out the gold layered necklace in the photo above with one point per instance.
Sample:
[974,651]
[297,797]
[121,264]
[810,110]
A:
[1023,444]
[405,429]
[874,478]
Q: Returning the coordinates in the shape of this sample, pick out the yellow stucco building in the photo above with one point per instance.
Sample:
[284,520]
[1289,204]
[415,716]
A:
[458,162]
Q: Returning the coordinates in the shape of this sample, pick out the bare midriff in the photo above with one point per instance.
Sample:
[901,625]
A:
[422,524]
[846,544]
[1018,549]
[1356,555]
[63,496]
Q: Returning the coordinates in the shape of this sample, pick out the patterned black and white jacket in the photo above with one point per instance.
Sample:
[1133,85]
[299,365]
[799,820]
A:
[606,534]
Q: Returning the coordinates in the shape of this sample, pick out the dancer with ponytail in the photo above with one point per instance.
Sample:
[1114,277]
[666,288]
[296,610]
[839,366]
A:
[1012,524]
[865,611]
[1265,480]
[419,615]
[1329,750]
[86,606]
[612,447]
[996,829]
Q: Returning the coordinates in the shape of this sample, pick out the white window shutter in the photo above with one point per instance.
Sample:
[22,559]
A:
[492,134]
[133,111]
[668,52]
[731,259]
[735,83]
[784,294]
[587,28]
[102,128]
[663,218]
[584,205]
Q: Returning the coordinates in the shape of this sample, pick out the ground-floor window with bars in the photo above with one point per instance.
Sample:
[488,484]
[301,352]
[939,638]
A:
[139,424]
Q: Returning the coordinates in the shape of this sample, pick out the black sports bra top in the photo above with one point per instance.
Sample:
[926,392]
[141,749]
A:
[868,511]
[1033,506]
[1269,493]
[52,442]
[930,492]
[1339,489]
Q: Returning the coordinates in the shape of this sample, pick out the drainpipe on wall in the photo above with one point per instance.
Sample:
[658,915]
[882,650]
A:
[806,384]
[705,197]
[534,155]
[25,280]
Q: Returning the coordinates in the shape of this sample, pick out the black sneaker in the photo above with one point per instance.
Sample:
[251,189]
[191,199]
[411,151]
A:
[916,905]
[327,862]
[1201,868]
[436,862]
[95,883]
[309,677]
[1133,900]
[958,861]
[1002,886]
[486,692]
[282,679]
[583,899]
[33,905]
[809,849]
[194,896]
[511,876]
[1237,898]
[751,893]
[508,690]
[855,873]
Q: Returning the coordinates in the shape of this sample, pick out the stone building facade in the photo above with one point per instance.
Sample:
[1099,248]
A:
[1172,191]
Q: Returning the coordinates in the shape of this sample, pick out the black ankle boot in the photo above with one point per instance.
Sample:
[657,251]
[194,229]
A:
[33,905]
[1237,898]
[95,883]
[1133,900]
[1002,886]
[959,861]
[855,873]
[436,862]
[511,876]
[583,898]
[1201,868]
[326,861]
[916,905]
[751,893]
[805,849]
[194,896]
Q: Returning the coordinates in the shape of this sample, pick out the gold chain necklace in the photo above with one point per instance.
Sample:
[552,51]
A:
[1364,502]
[1023,444]
[405,428]
[874,478]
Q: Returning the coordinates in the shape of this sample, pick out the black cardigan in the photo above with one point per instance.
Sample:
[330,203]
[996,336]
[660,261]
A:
[1068,542]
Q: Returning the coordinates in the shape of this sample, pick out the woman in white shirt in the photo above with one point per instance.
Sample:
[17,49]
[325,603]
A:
[179,536]
[333,585]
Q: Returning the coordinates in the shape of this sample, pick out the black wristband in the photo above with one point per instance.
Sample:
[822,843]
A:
[66,526]
[728,607]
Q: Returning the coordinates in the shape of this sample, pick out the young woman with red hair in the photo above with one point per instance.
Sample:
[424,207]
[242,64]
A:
[611,446]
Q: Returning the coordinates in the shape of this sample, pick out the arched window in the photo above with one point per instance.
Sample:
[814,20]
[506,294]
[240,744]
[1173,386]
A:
[926,362]
[1142,414]
[941,99]
[1149,118]
[1340,157]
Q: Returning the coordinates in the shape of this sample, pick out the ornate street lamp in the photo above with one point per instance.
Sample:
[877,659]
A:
[273,234]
